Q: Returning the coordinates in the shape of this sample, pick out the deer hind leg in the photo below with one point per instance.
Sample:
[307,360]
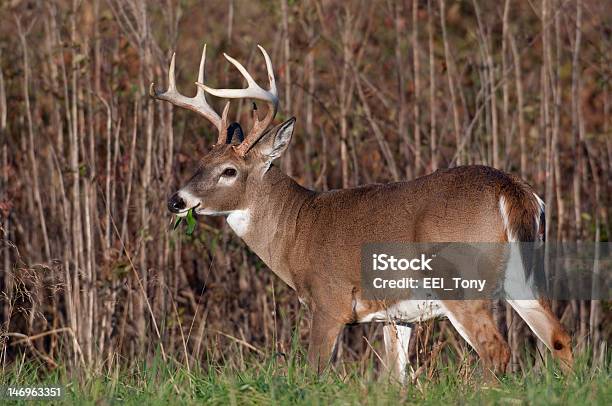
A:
[474,321]
[536,311]
[397,340]
[541,320]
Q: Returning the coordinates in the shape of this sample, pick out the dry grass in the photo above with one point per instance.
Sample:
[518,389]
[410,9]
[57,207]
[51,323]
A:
[93,274]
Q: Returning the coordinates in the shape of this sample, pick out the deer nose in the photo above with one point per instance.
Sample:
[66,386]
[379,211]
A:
[176,204]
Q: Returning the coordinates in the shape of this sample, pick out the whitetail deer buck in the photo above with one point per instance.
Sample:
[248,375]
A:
[312,240]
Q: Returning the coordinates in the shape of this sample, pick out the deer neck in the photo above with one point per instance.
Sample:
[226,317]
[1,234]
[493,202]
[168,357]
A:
[269,223]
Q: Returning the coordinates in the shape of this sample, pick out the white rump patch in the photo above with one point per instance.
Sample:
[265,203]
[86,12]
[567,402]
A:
[541,205]
[540,202]
[239,221]
[503,209]
[505,214]
[516,285]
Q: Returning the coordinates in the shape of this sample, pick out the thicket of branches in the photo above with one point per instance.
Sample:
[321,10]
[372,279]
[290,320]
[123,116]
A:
[387,90]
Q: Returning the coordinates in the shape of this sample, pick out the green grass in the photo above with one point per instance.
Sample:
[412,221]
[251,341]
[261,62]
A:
[291,382]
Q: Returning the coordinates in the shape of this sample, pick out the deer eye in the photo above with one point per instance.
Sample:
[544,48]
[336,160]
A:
[229,172]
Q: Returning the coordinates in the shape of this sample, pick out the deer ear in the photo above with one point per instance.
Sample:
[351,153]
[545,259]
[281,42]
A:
[275,142]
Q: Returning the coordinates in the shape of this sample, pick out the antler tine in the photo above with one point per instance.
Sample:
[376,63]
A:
[253,91]
[197,103]
[269,70]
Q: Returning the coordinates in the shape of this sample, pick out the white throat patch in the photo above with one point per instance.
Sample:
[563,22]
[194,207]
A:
[239,221]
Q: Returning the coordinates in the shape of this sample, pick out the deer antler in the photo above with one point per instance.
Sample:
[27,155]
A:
[253,91]
[197,103]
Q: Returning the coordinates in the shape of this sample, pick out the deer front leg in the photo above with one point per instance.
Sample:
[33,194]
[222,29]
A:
[397,340]
[323,337]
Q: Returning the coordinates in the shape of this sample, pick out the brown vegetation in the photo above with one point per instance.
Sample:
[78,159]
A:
[382,90]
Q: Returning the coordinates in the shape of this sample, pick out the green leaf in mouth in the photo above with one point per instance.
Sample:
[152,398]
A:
[177,222]
[191,222]
[189,219]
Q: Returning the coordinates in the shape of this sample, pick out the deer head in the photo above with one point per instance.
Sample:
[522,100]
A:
[219,185]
